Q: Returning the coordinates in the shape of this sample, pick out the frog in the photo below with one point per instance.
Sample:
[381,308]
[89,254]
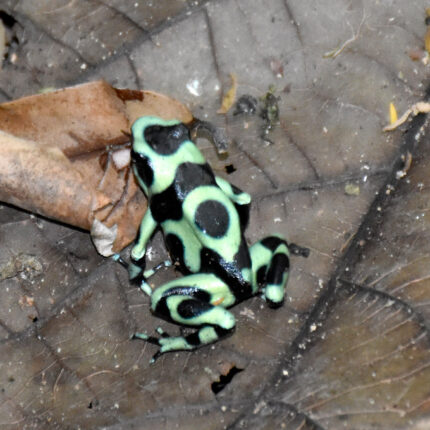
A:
[202,217]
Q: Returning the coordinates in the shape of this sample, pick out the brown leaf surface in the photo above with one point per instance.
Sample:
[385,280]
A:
[350,347]
[58,155]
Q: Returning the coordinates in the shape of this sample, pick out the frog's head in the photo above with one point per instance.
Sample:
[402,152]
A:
[159,147]
[162,137]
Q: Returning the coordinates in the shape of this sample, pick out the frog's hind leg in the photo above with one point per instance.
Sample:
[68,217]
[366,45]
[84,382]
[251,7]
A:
[270,266]
[186,304]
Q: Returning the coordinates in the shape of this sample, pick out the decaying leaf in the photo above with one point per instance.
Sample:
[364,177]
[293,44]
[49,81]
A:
[59,157]
[229,97]
[352,189]
[418,54]
[393,114]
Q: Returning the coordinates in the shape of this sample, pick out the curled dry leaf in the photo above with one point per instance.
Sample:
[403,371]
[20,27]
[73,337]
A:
[59,157]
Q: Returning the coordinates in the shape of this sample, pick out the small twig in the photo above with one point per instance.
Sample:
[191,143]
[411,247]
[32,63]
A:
[335,52]
[54,389]
[414,110]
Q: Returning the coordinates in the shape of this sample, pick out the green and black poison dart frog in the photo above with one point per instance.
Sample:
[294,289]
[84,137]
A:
[203,218]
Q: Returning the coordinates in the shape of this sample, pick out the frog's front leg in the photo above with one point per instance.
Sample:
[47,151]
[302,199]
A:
[196,300]
[270,265]
[137,255]
[241,200]
[235,194]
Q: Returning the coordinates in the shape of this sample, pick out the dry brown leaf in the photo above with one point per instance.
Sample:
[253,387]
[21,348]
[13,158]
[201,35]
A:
[57,153]
[427,40]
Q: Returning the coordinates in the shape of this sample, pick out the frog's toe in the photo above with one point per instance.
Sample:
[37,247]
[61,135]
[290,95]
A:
[143,336]
[154,340]
[161,332]
[156,356]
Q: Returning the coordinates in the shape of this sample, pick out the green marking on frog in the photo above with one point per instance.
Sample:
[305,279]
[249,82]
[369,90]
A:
[203,218]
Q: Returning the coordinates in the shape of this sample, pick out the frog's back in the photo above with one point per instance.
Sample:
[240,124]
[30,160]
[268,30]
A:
[200,224]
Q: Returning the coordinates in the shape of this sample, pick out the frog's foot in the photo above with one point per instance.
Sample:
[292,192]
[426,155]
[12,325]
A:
[144,286]
[214,323]
[135,272]
[214,134]
[165,342]
[202,336]
[138,276]
[135,269]
[270,264]
[148,273]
